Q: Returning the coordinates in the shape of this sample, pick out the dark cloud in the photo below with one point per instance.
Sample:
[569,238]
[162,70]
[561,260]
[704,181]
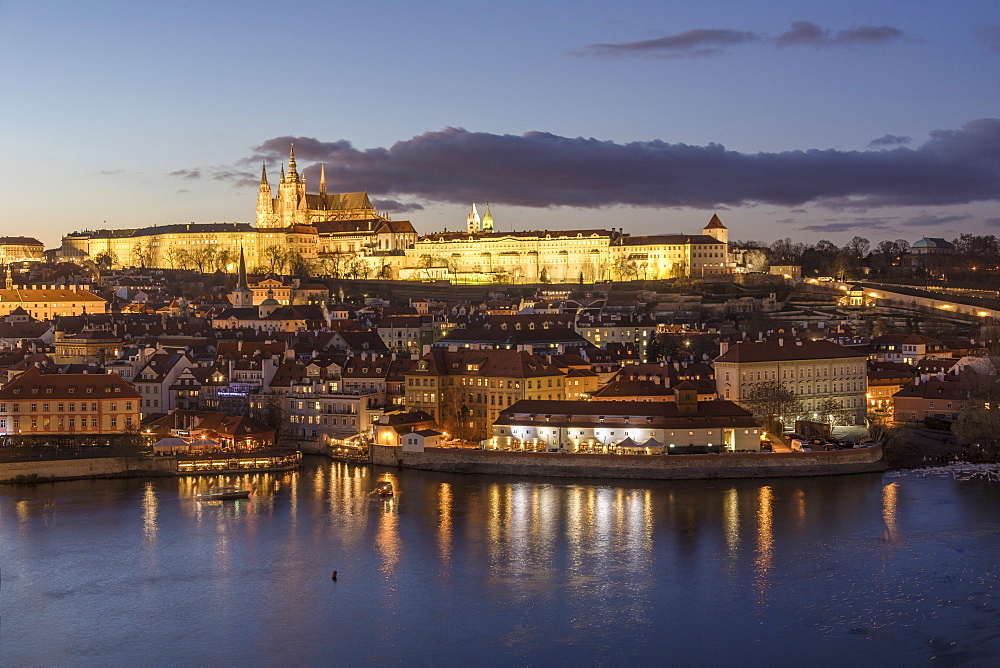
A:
[849,225]
[539,169]
[392,206]
[992,222]
[989,35]
[927,219]
[889,140]
[237,177]
[697,43]
[804,33]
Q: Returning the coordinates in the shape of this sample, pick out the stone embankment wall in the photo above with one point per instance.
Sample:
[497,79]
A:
[644,467]
[74,469]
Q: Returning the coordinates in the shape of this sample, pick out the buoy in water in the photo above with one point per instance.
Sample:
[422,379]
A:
[334,576]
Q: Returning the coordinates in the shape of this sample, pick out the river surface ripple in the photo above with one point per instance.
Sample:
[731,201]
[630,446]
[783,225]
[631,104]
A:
[894,569]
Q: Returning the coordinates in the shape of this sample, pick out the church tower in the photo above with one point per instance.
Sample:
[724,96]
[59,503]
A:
[716,229]
[242,295]
[291,207]
[473,220]
[265,205]
[487,219]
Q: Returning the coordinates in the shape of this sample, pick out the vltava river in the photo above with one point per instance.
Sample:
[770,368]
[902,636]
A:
[467,570]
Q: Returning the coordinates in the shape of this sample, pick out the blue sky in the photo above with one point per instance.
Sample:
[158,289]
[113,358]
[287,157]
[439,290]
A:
[647,116]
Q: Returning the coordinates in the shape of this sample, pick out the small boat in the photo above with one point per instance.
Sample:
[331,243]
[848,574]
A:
[224,494]
[384,488]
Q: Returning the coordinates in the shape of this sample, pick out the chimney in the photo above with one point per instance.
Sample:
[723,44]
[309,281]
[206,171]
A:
[723,346]
[781,341]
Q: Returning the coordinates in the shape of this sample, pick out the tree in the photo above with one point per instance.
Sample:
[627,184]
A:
[829,411]
[106,258]
[276,258]
[203,258]
[142,254]
[756,260]
[773,403]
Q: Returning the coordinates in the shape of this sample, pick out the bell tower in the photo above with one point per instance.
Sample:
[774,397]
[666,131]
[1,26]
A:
[265,203]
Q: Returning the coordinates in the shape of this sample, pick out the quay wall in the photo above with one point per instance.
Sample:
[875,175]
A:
[75,469]
[644,467]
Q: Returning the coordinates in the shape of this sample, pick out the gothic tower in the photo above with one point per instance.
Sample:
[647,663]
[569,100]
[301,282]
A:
[487,219]
[473,220]
[292,195]
[265,205]
[716,229]
[242,295]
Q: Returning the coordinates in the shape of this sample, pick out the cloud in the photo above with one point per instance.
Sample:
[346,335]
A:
[111,172]
[927,219]
[697,43]
[849,225]
[989,35]
[889,140]
[992,222]
[238,177]
[804,33]
[539,169]
[704,42]
[392,206]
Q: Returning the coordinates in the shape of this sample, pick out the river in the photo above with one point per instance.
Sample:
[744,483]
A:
[868,569]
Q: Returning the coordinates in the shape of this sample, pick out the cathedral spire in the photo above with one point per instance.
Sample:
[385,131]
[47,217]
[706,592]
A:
[241,282]
[487,219]
[282,172]
[292,174]
[263,173]
[322,179]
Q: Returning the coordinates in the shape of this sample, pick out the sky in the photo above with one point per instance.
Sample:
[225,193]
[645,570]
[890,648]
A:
[809,120]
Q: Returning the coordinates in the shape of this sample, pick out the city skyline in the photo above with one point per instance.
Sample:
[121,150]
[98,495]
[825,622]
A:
[791,120]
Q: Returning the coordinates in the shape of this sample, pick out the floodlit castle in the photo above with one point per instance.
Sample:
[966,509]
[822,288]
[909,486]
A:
[342,234]
[482,255]
[293,224]
[294,206]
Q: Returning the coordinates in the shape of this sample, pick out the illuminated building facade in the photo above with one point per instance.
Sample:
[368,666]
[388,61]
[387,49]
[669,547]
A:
[36,404]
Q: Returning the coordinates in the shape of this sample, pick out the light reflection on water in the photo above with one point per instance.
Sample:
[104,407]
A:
[499,570]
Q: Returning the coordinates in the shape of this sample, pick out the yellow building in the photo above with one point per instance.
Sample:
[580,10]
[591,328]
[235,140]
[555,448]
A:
[18,249]
[47,303]
[566,256]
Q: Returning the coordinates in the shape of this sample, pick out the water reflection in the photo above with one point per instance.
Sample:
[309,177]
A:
[890,498]
[731,522]
[765,543]
[607,573]
[149,512]
[444,504]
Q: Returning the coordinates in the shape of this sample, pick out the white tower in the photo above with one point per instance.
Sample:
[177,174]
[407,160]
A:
[473,220]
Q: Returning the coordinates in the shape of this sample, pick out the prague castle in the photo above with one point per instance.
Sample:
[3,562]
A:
[329,232]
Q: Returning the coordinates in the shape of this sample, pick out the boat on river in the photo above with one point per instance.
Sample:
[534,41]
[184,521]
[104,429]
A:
[224,494]
[384,488]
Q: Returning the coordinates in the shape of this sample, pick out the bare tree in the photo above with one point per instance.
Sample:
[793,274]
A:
[773,404]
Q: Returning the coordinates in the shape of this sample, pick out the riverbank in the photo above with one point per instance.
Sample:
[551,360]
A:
[93,468]
[635,467]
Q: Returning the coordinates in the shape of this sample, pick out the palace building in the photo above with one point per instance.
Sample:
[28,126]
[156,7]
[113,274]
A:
[344,234]
[566,256]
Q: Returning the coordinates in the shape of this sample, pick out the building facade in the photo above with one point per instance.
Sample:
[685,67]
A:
[36,404]
[820,373]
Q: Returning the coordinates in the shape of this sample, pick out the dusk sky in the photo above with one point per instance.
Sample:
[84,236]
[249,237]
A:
[808,120]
